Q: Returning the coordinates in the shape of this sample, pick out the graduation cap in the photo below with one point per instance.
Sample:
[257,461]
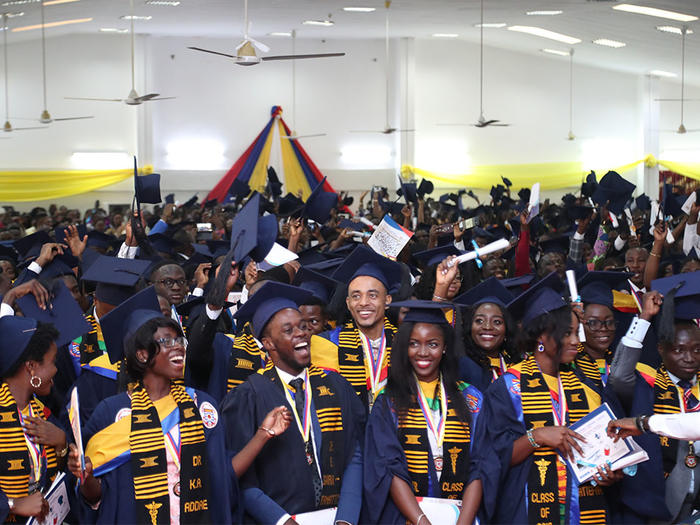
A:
[542,297]
[420,311]
[576,212]
[364,261]
[597,287]
[60,233]
[568,199]
[424,188]
[64,313]
[119,325]
[687,296]
[115,277]
[321,286]
[191,201]
[271,297]
[319,204]
[643,202]
[252,234]
[615,191]
[146,188]
[481,232]
[163,243]
[274,186]
[408,191]
[514,283]
[524,194]
[170,198]
[489,291]
[588,188]
[31,244]
[58,267]
[16,333]
[436,255]
[326,267]
[390,207]
[239,188]
[8,252]
[558,244]
[671,204]
[101,240]
[497,192]
[289,205]
[506,181]
[353,225]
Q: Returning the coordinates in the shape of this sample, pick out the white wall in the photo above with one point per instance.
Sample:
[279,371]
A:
[220,102]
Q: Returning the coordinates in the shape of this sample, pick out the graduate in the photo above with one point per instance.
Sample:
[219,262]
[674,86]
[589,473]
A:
[489,334]
[419,433]
[665,487]
[151,450]
[362,346]
[317,463]
[524,431]
[32,446]
[315,310]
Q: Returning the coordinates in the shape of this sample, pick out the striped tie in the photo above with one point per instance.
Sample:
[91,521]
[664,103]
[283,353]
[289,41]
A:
[691,402]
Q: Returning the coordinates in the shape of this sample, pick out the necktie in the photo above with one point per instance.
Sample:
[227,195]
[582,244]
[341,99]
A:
[691,402]
[299,398]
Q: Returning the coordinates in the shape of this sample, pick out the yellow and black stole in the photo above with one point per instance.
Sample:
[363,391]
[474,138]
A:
[548,484]
[90,345]
[413,436]
[589,367]
[351,357]
[246,358]
[667,401]
[149,461]
[15,464]
[326,403]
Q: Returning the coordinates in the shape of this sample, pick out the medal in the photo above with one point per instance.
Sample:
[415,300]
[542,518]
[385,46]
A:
[438,463]
[176,489]
[309,459]
[691,459]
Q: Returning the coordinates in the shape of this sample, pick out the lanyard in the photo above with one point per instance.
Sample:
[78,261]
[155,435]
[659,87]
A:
[174,444]
[377,372]
[501,365]
[36,452]
[304,425]
[604,372]
[439,430]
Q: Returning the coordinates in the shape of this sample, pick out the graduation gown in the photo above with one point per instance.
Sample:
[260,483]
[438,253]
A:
[118,503]
[279,481]
[386,458]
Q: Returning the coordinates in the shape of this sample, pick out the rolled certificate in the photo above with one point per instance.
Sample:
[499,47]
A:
[367,222]
[500,244]
[573,293]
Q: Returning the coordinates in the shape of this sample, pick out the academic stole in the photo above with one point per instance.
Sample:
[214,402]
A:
[246,358]
[327,404]
[667,400]
[590,368]
[89,346]
[498,366]
[15,456]
[351,359]
[547,480]
[412,431]
[149,464]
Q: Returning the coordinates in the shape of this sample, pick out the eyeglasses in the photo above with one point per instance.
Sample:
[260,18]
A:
[597,324]
[169,283]
[169,342]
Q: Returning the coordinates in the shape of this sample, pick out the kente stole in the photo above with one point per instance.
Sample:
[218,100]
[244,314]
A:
[548,481]
[413,435]
[149,461]
[246,358]
[667,400]
[88,346]
[14,455]
[326,403]
[590,367]
[351,358]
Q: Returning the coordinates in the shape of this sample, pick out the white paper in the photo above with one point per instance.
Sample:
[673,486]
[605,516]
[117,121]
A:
[688,204]
[57,498]
[575,298]
[317,517]
[500,244]
[74,418]
[440,510]
[533,208]
[389,238]
[278,256]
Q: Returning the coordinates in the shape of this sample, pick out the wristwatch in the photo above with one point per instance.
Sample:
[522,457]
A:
[11,504]
[642,422]
[63,452]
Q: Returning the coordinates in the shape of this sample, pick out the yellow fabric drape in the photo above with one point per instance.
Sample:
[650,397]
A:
[294,178]
[24,186]
[258,179]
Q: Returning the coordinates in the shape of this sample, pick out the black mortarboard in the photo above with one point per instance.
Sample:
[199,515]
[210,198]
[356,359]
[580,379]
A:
[321,286]
[576,212]
[122,323]
[616,190]
[59,233]
[391,207]
[249,233]
[408,191]
[589,187]
[643,202]
[102,240]
[191,202]
[365,261]
[146,187]
[170,198]
[436,255]
[64,313]
[424,188]
[542,297]
[597,287]
[497,192]
[687,298]
[271,297]
[274,186]
[56,268]
[524,194]
[115,277]
[319,204]
[515,283]
[16,334]
[8,252]
[325,267]
[289,205]
[353,225]
[420,311]
[31,243]
[671,203]
[481,232]
[163,243]
[239,188]
[489,291]
[506,181]
[558,244]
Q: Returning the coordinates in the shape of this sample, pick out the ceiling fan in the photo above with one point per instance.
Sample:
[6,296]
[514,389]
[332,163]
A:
[245,51]
[7,127]
[388,130]
[294,135]
[133,98]
[482,122]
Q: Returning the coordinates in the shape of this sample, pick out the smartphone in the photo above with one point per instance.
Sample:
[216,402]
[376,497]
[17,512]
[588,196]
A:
[204,227]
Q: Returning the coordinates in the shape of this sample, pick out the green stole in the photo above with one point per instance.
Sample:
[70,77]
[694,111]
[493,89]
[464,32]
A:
[149,461]
[544,489]
[351,357]
[326,403]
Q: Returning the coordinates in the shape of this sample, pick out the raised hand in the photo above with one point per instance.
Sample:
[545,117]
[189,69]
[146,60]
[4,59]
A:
[75,243]
[33,287]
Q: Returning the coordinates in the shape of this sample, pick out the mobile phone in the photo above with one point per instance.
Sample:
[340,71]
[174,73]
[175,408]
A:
[204,227]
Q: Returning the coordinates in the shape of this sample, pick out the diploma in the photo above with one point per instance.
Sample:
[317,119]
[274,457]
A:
[500,244]
[575,298]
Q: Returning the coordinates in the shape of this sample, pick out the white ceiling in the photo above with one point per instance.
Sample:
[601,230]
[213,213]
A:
[646,49]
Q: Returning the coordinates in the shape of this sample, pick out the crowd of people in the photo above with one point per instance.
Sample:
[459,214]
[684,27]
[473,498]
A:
[175,372]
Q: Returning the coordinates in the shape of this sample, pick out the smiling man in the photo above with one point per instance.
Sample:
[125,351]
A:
[170,281]
[363,344]
[320,453]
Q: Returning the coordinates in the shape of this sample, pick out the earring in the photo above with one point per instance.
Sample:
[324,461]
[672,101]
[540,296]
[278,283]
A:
[540,347]
[31,381]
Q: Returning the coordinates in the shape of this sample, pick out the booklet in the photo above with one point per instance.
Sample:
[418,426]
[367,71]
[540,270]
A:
[57,498]
[441,510]
[317,517]
[599,448]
